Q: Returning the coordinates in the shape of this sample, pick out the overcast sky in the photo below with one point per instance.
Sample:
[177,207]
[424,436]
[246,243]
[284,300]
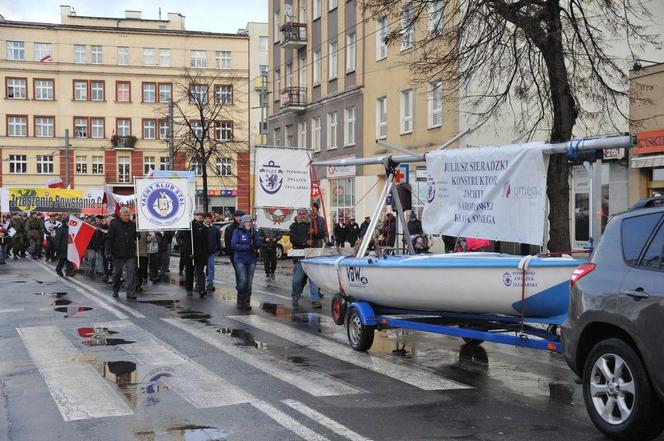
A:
[201,15]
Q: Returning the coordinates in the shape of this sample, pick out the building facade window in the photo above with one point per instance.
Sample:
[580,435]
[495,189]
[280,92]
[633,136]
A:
[149,92]
[332,130]
[80,90]
[263,43]
[302,135]
[44,90]
[96,54]
[406,111]
[149,58]
[163,129]
[43,52]
[277,84]
[435,104]
[164,57]
[44,164]
[44,126]
[315,133]
[224,167]
[331,5]
[198,59]
[349,126]
[316,9]
[17,88]
[342,199]
[97,128]
[123,126]
[149,164]
[351,52]
[165,92]
[332,60]
[81,165]
[223,94]
[80,127]
[381,118]
[97,165]
[17,125]
[97,91]
[436,17]
[289,75]
[277,27]
[195,166]
[290,136]
[316,67]
[276,136]
[18,164]
[198,93]
[163,162]
[80,54]
[123,91]
[149,129]
[224,131]
[407,27]
[302,72]
[124,169]
[15,50]
[381,36]
[223,59]
[123,56]
[197,129]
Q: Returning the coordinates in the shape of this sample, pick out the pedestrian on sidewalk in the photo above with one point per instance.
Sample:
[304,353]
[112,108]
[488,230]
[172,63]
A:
[61,243]
[121,247]
[200,251]
[51,225]
[270,239]
[95,248]
[228,238]
[364,227]
[245,242]
[34,228]
[214,243]
[302,237]
[352,232]
[18,239]
[340,233]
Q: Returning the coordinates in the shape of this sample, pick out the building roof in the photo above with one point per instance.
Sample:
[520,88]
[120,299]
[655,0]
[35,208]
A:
[70,27]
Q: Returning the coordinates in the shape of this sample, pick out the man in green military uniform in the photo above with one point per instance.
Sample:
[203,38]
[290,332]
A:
[35,230]
[18,239]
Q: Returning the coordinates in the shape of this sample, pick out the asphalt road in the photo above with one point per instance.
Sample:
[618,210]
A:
[76,364]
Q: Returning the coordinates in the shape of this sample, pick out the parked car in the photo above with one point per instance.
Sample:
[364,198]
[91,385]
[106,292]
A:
[612,338]
[284,246]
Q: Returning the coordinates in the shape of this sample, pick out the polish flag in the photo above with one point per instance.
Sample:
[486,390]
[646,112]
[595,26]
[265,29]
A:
[80,235]
[55,183]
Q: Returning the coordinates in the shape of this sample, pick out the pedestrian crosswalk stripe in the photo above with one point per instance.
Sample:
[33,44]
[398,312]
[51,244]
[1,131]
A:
[196,384]
[288,422]
[76,387]
[418,377]
[326,421]
[314,383]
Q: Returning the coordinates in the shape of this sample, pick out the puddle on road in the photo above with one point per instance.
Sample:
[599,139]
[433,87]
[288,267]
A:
[51,294]
[169,304]
[72,310]
[107,342]
[198,316]
[61,302]
[243,337]
[186,433]
[123,375]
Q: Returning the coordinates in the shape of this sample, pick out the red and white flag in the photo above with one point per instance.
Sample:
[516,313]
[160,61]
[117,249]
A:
[55,183]
[80,235]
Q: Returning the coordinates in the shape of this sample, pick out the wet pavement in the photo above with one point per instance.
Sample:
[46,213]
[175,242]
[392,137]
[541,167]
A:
[76,364]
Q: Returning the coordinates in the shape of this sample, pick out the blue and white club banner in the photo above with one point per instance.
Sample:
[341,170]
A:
[495,193]
[164,204]
[282,178]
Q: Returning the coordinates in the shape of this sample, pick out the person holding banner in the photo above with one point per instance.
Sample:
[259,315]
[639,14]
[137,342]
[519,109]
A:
[61,243]
[121,246]
[245,242]
[303,235]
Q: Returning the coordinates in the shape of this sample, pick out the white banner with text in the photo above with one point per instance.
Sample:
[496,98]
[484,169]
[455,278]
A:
[282,178]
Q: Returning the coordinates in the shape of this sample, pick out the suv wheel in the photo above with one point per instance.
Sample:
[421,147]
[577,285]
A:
[618,396]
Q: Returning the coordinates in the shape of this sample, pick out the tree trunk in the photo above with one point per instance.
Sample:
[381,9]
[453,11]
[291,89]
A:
[565,113]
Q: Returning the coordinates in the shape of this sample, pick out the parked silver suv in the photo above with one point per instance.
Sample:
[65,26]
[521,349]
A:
[613,336]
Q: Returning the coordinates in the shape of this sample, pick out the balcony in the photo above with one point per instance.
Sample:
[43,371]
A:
[123,142]
[294,98]
[293,35]
[260,84]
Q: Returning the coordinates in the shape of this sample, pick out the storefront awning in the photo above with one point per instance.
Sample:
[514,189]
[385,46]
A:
[648,161]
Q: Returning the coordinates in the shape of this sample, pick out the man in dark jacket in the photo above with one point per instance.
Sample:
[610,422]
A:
[198,255]
[121,246]
[95,248]
[228,238]
[388,230]
[34,228]
[340,233]
[302,236]
[61,244]
[364,227]
[165,248]
[352,232]
[214,239]
[269,251]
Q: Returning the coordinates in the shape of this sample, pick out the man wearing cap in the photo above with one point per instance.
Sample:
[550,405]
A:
[35,232]
[352,231]
[121,247]
[228,238]
[364,227]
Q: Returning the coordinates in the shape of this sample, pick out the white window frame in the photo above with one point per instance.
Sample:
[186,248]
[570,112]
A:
[223,94]
[149,129]
[44,90]
[124,169]
[198,93]
[95,88]
[316,67]
[302,71]
[97,165]
[80,53]
[165,97]
[342,199]
[407,33]
[288,136]
[164,57]
[351,52]
[277,27]
[332,60]
[224,166]
[19,85]
[18,164]
[123,126]
[44,126]
[289,75]
[332,5]
[149,96]
[302,135]
[276,136]
[332,130]
[223,131]
[149,58]
[349,126]
[45,164]
[123,87]
[163,130]
[149,163]
[123,56]
[164,162]
[97,128]
[80,93]
[381,35]
[96,54]
[197,59]
[436,19]
[83,124]
[80,165]
[263,43]
[42,50]
[277,85]
[224,59]
[435,104]
[15,50]
[316,9]
[406,112]
[17,125]
[316,133]
[381,117]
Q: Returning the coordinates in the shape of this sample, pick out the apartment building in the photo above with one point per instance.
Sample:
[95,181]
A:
[337,89]
[108,81]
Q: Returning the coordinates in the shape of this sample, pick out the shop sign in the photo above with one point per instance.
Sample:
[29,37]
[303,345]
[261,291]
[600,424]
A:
[649,142]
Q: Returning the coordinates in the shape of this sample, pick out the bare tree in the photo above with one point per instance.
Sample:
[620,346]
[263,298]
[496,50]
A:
[547,61]
[207,112]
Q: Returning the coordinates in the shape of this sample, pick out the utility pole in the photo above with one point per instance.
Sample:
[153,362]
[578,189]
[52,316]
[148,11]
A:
[67,158]
[171,146]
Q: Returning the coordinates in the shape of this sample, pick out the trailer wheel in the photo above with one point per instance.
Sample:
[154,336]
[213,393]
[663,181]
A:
[338,306]
[360,337]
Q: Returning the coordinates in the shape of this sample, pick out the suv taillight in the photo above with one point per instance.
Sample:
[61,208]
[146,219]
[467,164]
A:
[580,272]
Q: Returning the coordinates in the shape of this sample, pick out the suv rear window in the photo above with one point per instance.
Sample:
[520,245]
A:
[635,233]
[652,258]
